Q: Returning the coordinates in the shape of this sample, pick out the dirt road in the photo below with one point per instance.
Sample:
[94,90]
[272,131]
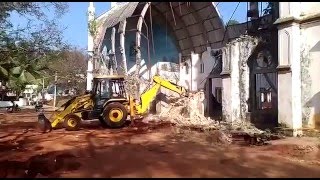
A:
[153,150]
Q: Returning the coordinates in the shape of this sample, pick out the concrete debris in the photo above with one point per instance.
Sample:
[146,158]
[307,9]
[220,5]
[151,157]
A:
[217,136]
[188,112]
[185,113]
[132,83]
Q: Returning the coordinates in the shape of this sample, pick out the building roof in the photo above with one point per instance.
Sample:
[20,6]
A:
[115,15]
[195,25]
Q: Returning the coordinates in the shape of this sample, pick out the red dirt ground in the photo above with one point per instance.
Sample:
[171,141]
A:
[145,150]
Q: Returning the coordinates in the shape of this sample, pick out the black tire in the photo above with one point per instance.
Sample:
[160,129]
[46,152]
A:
[72,122]
[120,118]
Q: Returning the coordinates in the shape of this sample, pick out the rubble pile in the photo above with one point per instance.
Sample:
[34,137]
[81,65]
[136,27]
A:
[134,86]
[186,113]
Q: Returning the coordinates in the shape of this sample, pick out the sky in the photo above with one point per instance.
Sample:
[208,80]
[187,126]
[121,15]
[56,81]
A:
[75,20]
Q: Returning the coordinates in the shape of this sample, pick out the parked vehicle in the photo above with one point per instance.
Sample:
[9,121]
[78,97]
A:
[14,108]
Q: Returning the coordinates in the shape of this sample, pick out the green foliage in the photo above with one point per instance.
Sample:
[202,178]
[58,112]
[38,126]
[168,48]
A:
[73,72]
[93,28]
[3,71]
[34,9]
[25,52]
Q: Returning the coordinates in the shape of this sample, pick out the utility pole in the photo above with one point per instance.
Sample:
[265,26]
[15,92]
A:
[55,90]
[42,91]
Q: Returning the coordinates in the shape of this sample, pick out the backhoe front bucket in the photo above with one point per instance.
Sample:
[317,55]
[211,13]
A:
[44,123]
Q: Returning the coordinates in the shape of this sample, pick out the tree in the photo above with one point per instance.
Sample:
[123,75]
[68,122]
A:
[24,52]
[232,22]
[73,72]
[23,62]
[33,9]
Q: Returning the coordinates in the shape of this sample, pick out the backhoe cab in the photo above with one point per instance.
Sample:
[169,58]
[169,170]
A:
[109,102]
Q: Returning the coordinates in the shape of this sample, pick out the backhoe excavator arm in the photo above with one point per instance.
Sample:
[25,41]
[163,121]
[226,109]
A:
[72,106]
[148,96]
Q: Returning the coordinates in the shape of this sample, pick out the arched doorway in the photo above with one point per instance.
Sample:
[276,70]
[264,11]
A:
[263,101]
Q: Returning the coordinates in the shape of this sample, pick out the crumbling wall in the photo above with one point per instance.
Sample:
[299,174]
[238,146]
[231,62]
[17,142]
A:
[309,62]
[306,91]
[247,45]
[236,78]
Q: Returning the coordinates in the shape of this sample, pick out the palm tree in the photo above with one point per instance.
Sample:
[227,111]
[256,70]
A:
[21,67]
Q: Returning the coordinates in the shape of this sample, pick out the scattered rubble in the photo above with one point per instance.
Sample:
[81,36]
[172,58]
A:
[184,113]
[187,113]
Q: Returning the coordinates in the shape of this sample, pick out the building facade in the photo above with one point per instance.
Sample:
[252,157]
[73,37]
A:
[263,71]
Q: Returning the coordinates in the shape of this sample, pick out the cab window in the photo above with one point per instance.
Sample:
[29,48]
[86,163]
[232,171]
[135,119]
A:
[105,93]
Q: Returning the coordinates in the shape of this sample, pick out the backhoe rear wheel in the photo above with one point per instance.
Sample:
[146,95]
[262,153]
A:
[115,115]
[72,122]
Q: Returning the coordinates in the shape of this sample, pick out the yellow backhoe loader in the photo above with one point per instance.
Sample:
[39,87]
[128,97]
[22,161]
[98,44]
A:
[110,103]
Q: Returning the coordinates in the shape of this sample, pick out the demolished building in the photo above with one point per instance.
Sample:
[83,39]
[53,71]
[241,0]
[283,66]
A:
[260,71]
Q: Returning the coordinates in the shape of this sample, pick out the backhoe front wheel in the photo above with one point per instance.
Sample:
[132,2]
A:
[115,115]
[72,122]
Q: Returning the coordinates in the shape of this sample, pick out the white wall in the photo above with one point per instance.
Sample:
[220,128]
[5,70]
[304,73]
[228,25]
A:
[209,62]
[21,102]
[310,34]
[195,78]
[144,72]
[309,7]
[185,77]
[299,50]
[298,9]
[166,74]
[234,93]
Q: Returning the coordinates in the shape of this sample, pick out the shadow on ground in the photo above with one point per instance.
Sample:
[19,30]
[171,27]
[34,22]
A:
[141,150]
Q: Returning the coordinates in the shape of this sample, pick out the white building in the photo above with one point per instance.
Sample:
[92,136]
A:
[269,78]
[189,37]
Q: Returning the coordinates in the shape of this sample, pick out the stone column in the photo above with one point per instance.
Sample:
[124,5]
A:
[289,68]
[235,78]
[289,78]
[247,45]
[226,84]
[91,14]
[235,90]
